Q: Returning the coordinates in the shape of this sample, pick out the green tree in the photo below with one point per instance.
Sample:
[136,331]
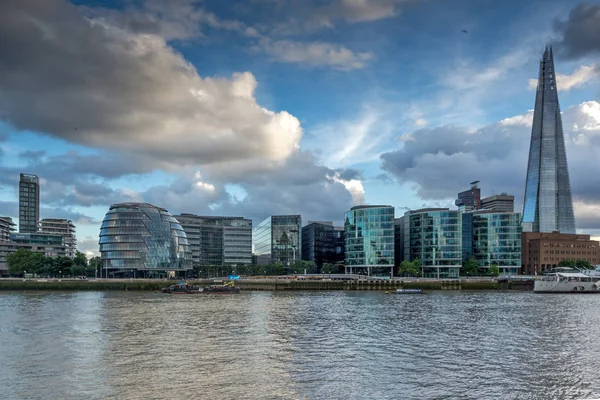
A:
[95,266]
[299,266]
[408,268]
[18,262]
[493,270]
[328,268]
[583,264]
[77,270]
[470,268]
[567,264]
[80,259]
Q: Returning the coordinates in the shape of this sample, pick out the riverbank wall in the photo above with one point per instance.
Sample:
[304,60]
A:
[256,284]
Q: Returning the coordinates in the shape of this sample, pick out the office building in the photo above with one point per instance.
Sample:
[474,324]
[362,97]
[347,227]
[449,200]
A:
[64,228]
[543,251]
[218,240]
[7,226]
[499,202]
[434,237]
[495,239]
[142,240]
[339,244]
[469,199]
[369,232]
[548,206]
[278,239]
[29,203]
[322,243]
[398,241]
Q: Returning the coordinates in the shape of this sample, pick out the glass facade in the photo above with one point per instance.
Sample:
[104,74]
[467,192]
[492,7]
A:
[369,236]
[322,243]
[434,236]
[548,205]
[496,239]
[278,238]
[218,240]
[142,237]
[29,203]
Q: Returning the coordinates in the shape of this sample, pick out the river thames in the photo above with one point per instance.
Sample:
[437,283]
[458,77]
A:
[301,345]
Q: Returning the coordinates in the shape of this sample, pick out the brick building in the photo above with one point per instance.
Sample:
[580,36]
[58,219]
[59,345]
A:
[542,251]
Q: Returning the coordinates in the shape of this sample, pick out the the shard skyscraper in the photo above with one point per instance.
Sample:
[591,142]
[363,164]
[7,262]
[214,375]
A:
[548,206]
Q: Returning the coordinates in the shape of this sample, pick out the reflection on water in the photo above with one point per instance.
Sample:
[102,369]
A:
[303,345]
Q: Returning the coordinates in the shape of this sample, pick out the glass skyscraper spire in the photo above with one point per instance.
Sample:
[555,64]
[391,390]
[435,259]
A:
[548,205]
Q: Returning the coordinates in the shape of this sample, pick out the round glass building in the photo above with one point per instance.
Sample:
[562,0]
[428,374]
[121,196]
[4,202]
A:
[142,240]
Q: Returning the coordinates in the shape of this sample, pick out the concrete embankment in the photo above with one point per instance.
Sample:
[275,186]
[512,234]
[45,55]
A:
[254,284]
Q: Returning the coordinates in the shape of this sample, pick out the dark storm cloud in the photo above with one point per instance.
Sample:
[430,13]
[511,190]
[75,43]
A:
[580,32]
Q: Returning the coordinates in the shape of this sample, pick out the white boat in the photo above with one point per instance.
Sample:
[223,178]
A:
[567,282]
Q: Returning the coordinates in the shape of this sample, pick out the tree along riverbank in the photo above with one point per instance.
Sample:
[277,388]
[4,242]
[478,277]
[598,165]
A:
[256,284]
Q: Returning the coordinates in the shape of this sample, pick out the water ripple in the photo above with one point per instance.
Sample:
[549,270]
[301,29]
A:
[303,345]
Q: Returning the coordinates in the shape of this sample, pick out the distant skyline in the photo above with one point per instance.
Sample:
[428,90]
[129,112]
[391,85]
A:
[266,107]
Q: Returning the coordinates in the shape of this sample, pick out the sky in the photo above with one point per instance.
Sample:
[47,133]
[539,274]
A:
[264,107]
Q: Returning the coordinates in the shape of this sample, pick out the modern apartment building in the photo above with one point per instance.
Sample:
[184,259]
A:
[64,228]
[49,245]
[29,203]
[7,226]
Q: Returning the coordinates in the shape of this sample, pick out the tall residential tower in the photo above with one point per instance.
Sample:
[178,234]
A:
[548,206]
[29,203]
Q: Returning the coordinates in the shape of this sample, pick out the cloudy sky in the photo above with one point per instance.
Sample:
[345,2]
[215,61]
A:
[263,107]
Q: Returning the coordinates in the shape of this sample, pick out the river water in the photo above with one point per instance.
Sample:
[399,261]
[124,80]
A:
[302,345]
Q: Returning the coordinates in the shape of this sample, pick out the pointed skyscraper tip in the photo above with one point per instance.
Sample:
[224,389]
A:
[548,205]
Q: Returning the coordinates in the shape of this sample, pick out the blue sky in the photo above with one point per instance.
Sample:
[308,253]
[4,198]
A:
[268,107]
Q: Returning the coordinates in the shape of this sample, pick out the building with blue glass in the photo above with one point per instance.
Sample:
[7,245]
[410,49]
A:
[434,237]
[142,240]
[495,239]
[369,237]
[277,239]
[548,206]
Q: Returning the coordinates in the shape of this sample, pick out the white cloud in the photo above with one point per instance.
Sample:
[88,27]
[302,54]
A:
[443,160]
[354,141]
[314,54]
[106,87]
[355,11]
[582,75]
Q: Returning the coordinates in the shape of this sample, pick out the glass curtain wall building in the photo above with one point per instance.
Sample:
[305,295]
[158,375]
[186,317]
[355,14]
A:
[218,240]
[548,206]
[318,243]
[496,239]
[142,240]
[278,239]
[369,235]
[29,203]
[434,237]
